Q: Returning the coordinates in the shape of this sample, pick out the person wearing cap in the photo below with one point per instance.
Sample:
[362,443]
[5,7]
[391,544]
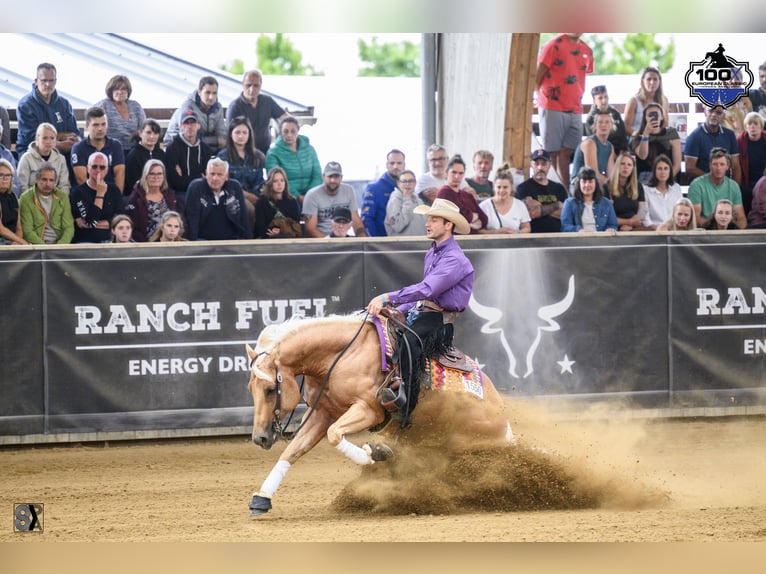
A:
[341,222]
[96,125]
[377,194]
[432,304]
[710,134]
[618,135]
[588,211]
[187,155]
[204,102]
[544,198]
[321,201]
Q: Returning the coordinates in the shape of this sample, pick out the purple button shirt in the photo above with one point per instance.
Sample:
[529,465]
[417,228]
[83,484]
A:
[447,280]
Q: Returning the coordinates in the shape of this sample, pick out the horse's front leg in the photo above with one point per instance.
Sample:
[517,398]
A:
[356,419]
[306,439]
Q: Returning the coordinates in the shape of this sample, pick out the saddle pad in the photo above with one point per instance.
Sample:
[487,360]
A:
[439,377]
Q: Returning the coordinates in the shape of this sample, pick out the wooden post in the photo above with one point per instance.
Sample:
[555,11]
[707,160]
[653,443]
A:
[522,67]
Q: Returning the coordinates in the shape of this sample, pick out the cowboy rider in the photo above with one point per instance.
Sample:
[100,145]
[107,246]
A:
[432,304]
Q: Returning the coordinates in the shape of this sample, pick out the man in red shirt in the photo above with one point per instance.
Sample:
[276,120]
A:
[562,66]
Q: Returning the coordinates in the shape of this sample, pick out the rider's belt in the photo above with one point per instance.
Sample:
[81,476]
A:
[422,305]
[449,316]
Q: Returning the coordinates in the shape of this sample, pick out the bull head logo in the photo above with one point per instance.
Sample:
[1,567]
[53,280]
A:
[546,314]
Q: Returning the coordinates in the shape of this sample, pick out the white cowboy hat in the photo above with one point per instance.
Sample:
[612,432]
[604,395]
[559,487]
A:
[449,211]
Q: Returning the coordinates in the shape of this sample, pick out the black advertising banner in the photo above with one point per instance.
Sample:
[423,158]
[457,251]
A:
[164,329]
[559,318]
[718,320]
[105,338]
[22,405]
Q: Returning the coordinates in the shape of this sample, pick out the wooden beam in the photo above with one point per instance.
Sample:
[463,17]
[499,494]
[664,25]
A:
[522,67]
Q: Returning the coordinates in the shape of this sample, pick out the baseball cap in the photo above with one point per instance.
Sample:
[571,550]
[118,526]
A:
[341,215]
[187,115]
[540,154]
[333,168]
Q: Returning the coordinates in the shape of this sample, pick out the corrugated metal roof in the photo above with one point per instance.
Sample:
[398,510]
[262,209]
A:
[85,62]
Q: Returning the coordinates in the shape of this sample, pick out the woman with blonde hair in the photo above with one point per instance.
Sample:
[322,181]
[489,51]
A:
[43,150]
[505,214]
[649,91]
[682,217]
[171,228]
[627,194]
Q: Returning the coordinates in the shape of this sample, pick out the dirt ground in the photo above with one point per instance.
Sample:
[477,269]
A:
[619,479]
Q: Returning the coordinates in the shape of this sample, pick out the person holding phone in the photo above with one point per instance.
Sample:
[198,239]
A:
[654,139]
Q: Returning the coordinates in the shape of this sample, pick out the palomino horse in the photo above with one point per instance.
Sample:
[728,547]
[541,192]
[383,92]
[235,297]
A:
[345,402]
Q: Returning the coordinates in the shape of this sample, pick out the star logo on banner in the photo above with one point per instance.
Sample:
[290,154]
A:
[566,365]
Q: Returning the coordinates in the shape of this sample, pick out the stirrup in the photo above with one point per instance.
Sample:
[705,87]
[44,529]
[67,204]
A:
[390,400]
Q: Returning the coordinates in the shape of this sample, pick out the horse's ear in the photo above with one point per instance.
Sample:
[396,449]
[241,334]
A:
[250,351]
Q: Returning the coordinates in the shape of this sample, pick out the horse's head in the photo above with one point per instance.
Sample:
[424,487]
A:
[275,393]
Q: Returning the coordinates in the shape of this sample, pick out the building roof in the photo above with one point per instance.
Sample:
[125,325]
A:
[85,62]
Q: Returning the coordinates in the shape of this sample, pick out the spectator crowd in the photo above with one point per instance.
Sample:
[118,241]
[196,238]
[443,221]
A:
[216,174]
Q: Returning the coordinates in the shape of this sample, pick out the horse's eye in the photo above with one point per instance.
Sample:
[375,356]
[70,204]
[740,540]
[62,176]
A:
[271,391]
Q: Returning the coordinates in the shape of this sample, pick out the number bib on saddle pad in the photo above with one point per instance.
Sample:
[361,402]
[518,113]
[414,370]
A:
[441,378]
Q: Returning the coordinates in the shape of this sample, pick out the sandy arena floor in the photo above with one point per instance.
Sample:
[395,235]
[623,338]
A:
[623,480]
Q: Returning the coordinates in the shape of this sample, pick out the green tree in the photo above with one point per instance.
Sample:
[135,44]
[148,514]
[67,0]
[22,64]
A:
[276,56]
[631,54]
[389,59]
[626,53]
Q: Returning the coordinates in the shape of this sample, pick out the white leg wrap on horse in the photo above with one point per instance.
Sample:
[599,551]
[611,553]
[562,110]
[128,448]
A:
[509,434]
[355,453]
[272,482]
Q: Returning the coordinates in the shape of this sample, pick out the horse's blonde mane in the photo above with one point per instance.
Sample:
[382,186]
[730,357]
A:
[273,334]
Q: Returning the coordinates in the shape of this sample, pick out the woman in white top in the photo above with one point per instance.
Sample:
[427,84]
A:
[661,192]
[504,213]
[650,91]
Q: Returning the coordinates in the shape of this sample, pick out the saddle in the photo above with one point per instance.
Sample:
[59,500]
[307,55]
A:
[392,394]
[395,325]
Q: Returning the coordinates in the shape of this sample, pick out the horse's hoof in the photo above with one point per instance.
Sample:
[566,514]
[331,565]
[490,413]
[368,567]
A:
[379,452]
[259,505]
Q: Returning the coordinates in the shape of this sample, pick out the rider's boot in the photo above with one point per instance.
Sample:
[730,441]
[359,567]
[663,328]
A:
[393,397]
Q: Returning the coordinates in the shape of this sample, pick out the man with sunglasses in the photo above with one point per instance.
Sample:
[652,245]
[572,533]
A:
[710,134]
[94,203]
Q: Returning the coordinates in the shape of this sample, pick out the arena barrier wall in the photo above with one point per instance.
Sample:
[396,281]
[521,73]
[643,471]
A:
[151,337]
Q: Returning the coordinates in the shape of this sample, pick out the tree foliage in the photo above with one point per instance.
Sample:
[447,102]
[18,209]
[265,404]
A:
[389,59]
[626,53]
[276,57]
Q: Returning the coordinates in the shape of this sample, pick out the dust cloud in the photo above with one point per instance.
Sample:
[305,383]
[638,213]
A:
[597,457]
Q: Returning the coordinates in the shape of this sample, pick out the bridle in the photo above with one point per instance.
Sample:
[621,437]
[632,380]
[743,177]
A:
[279,428]
[277,411]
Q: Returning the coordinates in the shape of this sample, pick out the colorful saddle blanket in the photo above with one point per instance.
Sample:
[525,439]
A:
[442,373]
